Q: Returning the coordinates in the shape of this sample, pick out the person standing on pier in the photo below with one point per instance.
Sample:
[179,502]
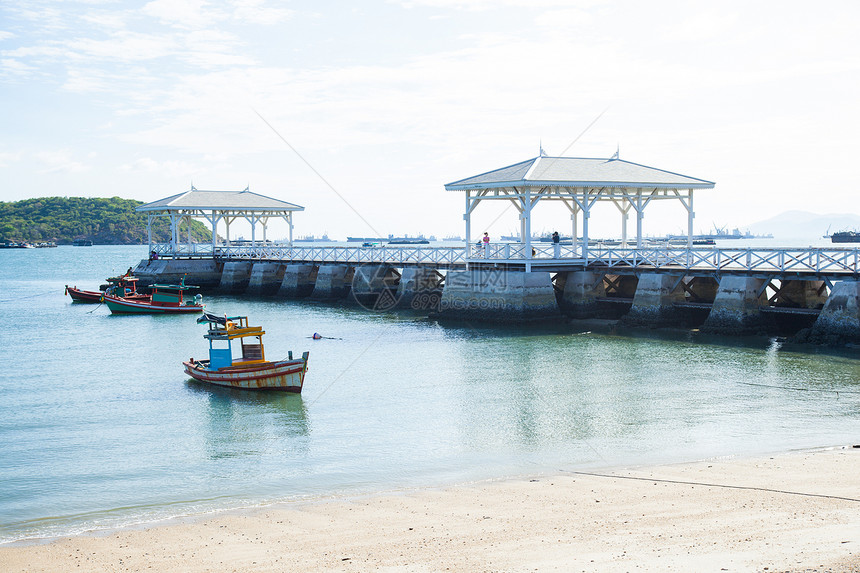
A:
[555,246]
[486,241]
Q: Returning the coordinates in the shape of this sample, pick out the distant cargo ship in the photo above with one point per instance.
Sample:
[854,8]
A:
[312,239]
[392,240]
[721,234]
[845,237]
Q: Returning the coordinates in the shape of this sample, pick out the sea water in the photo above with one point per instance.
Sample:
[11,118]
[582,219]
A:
[101,428]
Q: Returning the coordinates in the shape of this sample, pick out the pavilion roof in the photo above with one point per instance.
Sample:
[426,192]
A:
[579,172]
[196,199]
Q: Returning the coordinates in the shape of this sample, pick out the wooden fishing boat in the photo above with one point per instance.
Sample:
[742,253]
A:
[237,359]
[165,299]
[124,286]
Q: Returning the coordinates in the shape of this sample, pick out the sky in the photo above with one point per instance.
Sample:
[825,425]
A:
[362,111]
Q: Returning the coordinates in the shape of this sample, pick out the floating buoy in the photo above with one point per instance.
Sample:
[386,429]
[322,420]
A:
[316,336]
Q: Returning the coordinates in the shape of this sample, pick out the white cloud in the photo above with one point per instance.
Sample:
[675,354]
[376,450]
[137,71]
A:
[7,159]
[185,14]
[257,12]
[60,161]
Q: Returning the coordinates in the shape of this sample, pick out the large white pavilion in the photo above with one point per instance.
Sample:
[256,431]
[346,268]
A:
[579,183]
[217,206]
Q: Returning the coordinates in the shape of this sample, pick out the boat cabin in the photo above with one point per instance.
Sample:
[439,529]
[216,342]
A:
[169,295]
[123,286]
[232,342]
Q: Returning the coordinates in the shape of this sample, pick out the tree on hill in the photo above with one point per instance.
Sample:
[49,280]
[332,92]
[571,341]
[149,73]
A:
[63,220]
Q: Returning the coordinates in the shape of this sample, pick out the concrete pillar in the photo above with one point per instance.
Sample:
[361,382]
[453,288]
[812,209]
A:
[419,289]
[737,306]
[839,320]
[266,278]
[375,286]
[333,281]
[298,281]
[235,276]
[802,294]
[205,273]
[654,301]
[497,295]
[579,291]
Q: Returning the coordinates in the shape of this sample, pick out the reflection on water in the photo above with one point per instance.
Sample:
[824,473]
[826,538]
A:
[239,421]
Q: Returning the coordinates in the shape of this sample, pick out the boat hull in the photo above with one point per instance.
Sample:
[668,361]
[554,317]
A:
[283,376]
[79,295]
[118,305]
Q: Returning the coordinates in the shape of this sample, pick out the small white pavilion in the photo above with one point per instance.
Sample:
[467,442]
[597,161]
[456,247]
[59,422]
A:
[217,206]
[579,183]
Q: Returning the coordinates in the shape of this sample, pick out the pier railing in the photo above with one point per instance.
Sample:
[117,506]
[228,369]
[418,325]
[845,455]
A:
[818,261]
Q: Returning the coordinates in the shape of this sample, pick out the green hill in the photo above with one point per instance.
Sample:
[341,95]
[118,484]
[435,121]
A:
[103,221]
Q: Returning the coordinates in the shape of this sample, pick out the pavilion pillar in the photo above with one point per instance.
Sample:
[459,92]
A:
[639,214]
[585,216]
[624,216]
[149,230]
[690,216]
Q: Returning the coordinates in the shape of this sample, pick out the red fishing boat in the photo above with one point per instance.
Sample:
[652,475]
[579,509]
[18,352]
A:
[124,286]
[237,359]
[165,299]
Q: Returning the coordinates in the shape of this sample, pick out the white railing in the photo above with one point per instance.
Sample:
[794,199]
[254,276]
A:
[323,254]
[713,259]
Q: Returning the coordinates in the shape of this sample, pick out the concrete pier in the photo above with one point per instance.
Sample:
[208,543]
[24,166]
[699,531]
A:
[839,320]
[420,288]
[205,273]
[235,277]
[498,296]
[333,281]
[298,281]
[579,292]
[654,301]
[265,278]
[737,306]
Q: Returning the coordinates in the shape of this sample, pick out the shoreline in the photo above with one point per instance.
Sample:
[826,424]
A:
[789,511]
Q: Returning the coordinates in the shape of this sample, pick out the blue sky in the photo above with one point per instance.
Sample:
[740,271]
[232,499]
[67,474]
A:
[389,101]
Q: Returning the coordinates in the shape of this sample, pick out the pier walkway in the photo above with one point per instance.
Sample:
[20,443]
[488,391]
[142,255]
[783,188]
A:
[823,263]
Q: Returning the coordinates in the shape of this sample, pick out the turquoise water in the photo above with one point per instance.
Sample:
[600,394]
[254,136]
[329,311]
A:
[99,426]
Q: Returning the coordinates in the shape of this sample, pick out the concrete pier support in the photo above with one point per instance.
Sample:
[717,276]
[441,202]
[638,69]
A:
[839,320]
[298,280]
[333,281]
[737,306]
[375,286]
[654,301]
[498,296]
[419,289]
[578,293]
[205,273]
[235,277]
[265,278]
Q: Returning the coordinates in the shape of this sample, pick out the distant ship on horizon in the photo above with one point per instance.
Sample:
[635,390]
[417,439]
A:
[845,237]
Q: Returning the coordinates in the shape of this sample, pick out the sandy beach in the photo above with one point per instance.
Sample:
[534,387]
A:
[797,511]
